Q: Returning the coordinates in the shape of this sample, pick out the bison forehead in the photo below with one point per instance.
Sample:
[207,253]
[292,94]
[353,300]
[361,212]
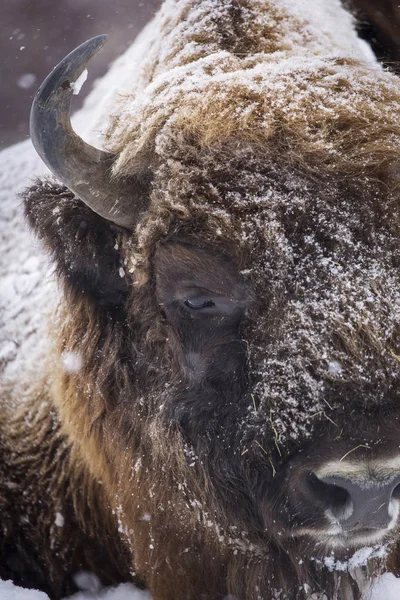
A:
[286,139]
[331,108]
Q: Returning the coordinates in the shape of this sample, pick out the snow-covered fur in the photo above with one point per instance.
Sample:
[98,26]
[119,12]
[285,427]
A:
[272,142]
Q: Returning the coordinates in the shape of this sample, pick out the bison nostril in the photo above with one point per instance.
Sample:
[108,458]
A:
[333,497]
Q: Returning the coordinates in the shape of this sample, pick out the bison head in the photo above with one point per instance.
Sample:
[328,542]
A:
[231,284]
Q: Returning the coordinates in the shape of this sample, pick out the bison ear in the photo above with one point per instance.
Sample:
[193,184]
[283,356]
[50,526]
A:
[82,244]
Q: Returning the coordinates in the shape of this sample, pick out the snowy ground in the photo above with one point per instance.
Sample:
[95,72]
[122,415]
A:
[386,588]
[126,591]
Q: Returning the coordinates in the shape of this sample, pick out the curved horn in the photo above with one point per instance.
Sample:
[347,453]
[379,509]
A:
[85,170]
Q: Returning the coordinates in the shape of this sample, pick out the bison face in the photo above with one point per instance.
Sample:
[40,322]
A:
[238,378]
[272,416]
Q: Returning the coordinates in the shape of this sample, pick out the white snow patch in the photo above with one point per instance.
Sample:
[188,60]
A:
[87,582]
[125,591]
[335,368]
[59,520]
[26,81]
[386,587]
[146,517]
[359,558]
[8,591]
[72,362]
[76,87]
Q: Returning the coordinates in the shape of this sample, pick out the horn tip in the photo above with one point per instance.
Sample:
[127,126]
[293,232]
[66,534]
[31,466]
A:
[91,46]
[100,40]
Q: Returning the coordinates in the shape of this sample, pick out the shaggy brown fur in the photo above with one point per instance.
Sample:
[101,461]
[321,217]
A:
[42,475]
[274,164]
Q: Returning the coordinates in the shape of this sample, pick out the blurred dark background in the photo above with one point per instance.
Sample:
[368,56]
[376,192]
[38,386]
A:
[36,34]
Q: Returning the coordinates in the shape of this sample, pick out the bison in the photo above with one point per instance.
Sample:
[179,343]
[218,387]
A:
[214,407]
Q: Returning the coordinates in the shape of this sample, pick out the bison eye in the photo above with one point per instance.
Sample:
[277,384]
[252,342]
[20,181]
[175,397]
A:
[199,302]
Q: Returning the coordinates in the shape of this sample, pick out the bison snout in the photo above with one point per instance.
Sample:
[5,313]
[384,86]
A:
[354,506]
[343,504]
[363,503]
